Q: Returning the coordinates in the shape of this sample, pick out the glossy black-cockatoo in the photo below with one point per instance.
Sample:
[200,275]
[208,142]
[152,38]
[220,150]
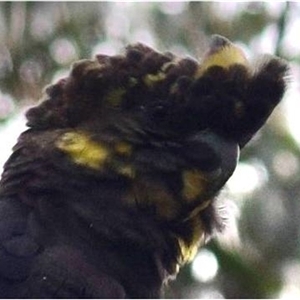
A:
[112,188]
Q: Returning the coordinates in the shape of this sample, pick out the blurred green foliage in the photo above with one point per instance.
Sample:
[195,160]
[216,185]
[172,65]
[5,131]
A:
[40,40]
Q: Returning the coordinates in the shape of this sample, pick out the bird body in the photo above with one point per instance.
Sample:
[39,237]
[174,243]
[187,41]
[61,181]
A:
[112,187]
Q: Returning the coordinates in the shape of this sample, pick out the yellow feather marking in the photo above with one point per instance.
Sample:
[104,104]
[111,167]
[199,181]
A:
[194,184]
[83,150]
[151,79]
[126,170]
[203,205]
[123,148]
[146,193]
[188,252]
[115,96]
[225,57]
[190,248]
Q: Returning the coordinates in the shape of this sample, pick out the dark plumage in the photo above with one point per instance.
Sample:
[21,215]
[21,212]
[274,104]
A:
[112,187]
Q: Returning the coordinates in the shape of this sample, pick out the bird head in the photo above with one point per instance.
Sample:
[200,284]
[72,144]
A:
[164,96]
[162,112]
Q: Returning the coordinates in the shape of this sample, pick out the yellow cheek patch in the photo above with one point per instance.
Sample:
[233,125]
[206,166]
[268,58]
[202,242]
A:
[194,184]
[225,57]
[82,150]
[153,195]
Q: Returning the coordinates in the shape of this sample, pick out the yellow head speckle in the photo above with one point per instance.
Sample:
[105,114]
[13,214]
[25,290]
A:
[194,184]
[222,53]
[83,150]
[151,79]
[168,65]
[84,66]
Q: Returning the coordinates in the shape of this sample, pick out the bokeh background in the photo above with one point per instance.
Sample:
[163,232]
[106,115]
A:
[258,255]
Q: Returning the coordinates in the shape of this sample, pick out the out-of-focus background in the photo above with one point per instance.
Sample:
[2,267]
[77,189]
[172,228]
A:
[258,256]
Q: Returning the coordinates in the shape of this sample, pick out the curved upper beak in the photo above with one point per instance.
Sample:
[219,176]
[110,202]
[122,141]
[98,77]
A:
[228,152]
